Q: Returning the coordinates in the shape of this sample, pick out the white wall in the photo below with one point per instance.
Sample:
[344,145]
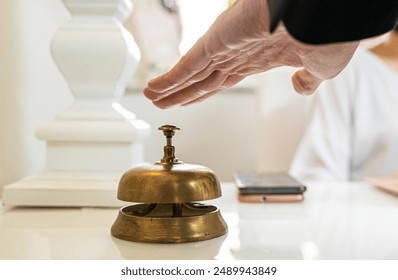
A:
[281,120]
[31,88]
[218,133]
[236,129]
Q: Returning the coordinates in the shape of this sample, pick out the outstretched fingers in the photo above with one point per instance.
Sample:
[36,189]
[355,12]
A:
[189,65]
[229,82]
[192,92]
[225,64]
[198,77]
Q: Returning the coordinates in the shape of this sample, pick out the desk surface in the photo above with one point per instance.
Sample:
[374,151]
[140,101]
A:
[335,221]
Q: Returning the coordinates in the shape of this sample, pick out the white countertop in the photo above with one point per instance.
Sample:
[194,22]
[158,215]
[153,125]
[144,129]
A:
[335,221]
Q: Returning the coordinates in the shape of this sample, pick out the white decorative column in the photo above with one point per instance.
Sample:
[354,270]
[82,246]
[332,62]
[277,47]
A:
[92,143]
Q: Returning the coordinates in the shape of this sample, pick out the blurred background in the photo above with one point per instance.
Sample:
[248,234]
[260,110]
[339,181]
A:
[242,128]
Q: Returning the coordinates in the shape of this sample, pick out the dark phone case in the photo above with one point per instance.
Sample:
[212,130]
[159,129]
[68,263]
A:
[267,183]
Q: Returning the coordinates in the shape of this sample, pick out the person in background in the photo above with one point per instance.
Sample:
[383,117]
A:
[353,132]
[254,36]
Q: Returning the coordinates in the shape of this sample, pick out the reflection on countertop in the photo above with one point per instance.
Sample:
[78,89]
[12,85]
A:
[335,221]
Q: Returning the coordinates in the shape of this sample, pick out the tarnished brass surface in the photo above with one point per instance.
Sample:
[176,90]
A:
[169,180]
[169,190]
[160,226]
[174,183]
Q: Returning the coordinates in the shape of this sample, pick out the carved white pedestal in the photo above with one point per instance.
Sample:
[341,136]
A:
[92,143]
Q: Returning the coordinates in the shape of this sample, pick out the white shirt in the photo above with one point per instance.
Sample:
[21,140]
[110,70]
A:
[353,131]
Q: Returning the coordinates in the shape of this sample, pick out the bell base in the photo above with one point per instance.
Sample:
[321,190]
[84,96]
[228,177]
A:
[187,223]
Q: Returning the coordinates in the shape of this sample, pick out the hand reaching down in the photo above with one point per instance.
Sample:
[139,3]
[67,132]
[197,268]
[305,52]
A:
[239,44]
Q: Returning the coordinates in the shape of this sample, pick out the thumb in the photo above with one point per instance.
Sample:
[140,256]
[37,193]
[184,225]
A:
[304,82]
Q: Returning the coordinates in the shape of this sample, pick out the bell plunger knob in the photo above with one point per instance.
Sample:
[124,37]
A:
[169,150]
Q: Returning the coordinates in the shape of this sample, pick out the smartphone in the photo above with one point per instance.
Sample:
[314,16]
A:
[267,183]
[270,197]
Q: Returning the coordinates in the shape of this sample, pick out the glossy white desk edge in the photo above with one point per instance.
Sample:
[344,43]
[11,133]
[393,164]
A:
[335,221]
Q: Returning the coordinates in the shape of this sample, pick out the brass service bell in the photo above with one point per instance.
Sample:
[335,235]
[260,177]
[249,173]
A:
[168,195]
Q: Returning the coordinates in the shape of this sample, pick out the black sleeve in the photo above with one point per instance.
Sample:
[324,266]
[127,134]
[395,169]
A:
[329,21]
